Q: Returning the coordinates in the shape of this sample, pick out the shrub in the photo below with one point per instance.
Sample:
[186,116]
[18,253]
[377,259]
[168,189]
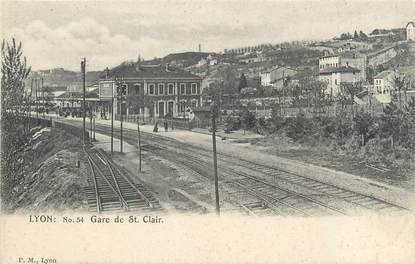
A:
[298,127]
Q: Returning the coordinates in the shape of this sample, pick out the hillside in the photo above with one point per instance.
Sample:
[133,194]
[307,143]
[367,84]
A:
[62,77]
[181,60]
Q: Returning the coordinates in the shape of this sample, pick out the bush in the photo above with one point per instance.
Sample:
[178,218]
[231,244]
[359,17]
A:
[298,127]
[232,122]
[248,119]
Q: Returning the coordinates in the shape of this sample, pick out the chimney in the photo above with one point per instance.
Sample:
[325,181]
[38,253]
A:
[107,73]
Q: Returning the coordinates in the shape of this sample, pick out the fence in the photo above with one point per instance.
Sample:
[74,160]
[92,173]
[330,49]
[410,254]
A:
[172,122]
[332,110]
[73,130]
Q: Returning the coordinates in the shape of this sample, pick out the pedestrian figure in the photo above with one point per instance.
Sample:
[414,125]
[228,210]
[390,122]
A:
[156,127]
[166,125]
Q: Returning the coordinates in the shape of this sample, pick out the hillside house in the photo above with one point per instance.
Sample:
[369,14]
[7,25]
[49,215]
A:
[410,31]
[348,59]
[383,86]
[276,76]
[335,76]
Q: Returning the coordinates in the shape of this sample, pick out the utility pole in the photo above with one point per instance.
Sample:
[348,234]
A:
[37,104]
[139,145]
[215,165]
[112,119]
[83,62]
[90,121]
[94,128]
[121,126]
[122,91]
[30,103]
[43,99]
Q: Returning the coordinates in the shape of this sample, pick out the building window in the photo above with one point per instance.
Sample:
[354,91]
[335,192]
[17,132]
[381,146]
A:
[171,88]
[182,88]
[194,88]
[161,88]
[151,88]
[137,88]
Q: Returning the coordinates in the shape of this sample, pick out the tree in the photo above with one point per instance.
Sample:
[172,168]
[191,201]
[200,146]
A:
[362,36]
[355,35]
[317,90]
[345,36]
[14,71]
[375,32]
[242,82]
[13,137]
[400,84]
[248,119]
[363,125]
[351,89]
[395,124]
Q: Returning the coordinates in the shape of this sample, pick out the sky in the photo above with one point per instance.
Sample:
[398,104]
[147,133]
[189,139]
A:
[60,33]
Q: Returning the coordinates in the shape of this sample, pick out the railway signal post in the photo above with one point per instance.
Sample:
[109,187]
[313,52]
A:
[121,93]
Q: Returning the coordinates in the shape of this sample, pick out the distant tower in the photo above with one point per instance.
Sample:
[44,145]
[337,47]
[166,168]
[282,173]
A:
[200,47]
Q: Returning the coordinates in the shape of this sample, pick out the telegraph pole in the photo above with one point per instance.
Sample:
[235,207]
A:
[37,104]
[121,92]
[215,165]
[30,103]
[43,99]
[94,128]
[121,123]
[90,121]
[112,118]
[139,145]
[83,62]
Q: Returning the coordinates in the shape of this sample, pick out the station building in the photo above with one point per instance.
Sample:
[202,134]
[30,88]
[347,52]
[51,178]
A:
[152,91]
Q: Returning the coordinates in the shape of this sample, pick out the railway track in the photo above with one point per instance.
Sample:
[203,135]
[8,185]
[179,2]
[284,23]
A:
[323,190]
[260,191]
[111,190]
[267,197]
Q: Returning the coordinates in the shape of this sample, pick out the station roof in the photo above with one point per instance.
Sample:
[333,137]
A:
[136,70]
[78,95]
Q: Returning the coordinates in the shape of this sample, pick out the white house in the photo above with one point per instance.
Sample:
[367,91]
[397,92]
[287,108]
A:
[383,86]
[352,59]
[410,31]
[334,76]
[272,76]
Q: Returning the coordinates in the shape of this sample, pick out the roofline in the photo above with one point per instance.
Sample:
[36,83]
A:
[331,72]
[154,78]
[384,72]
[410,22]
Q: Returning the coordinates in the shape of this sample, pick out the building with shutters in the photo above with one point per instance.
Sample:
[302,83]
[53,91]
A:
[153,91]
